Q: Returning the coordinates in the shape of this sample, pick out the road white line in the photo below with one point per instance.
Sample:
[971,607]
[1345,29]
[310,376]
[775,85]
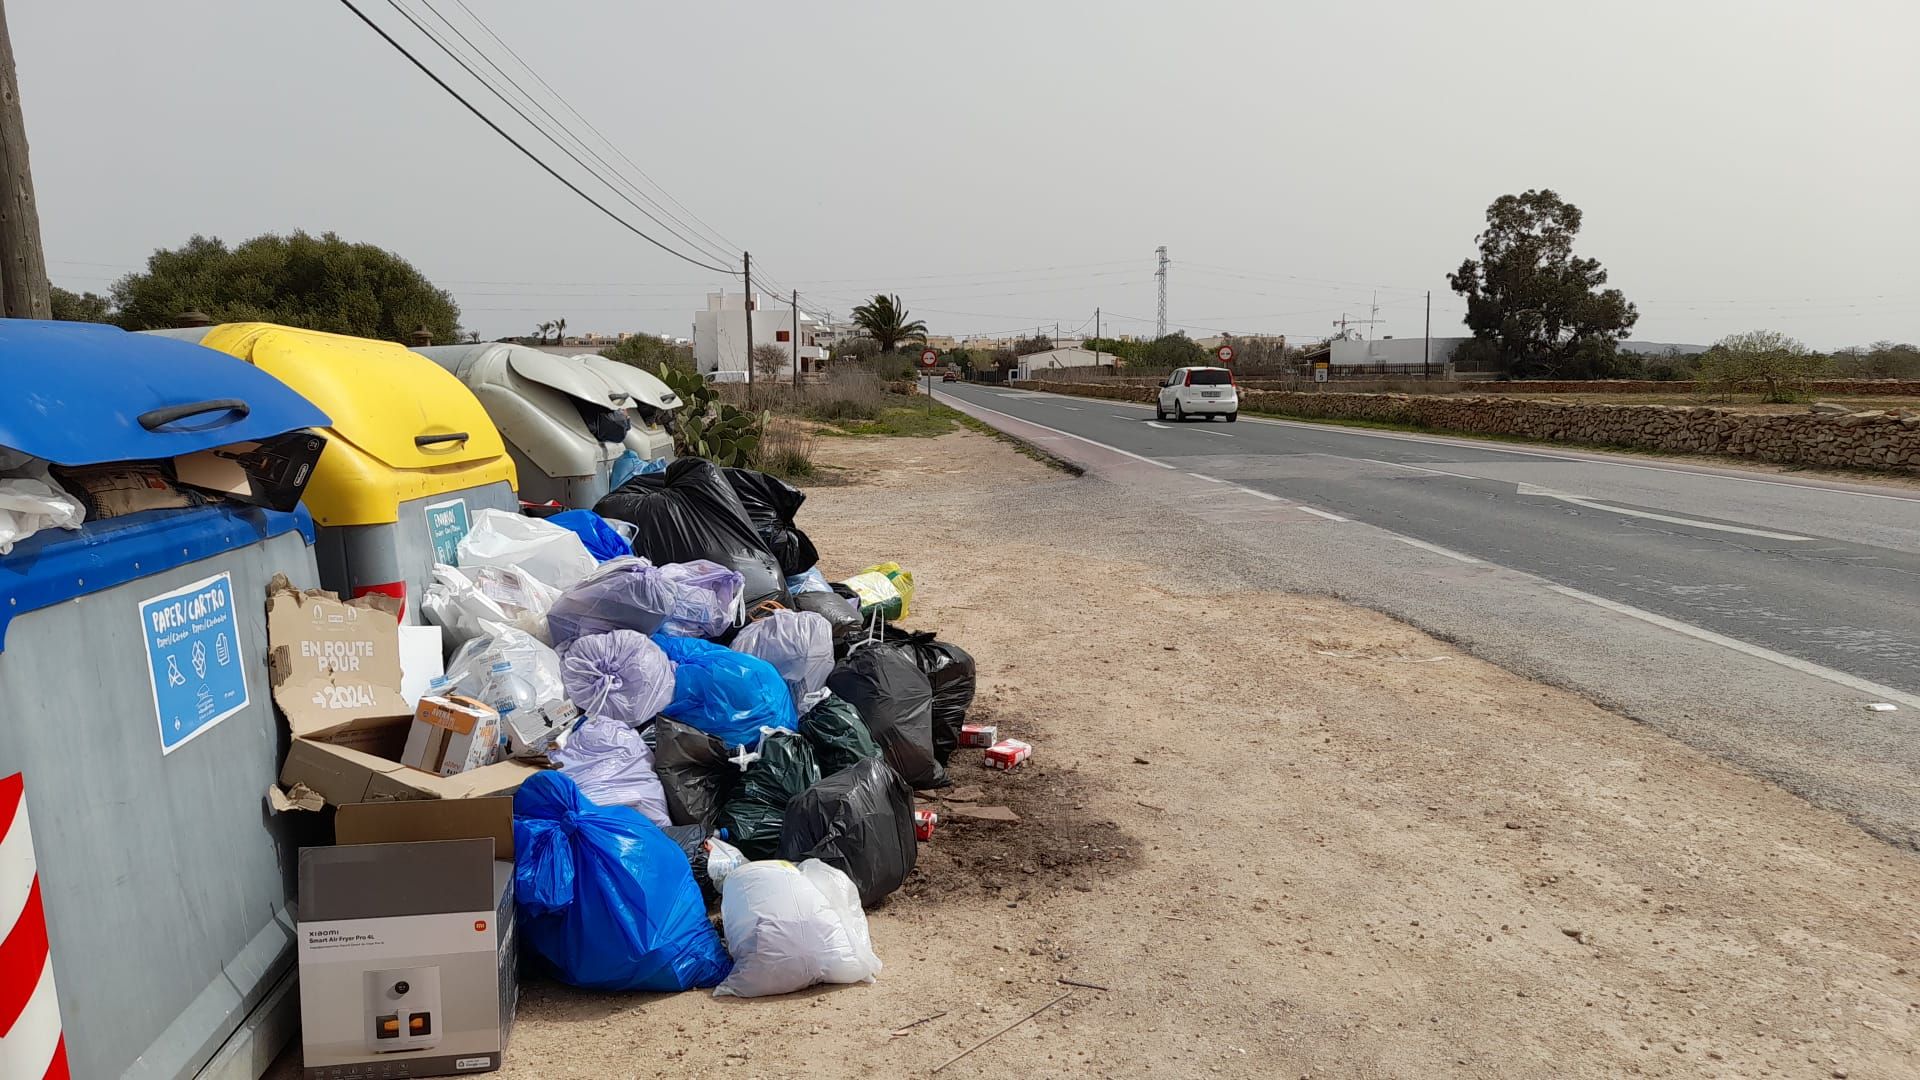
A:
[1794,663]
[1320,513]
[1120,416]
[1222,434]
[1208,479]
[1071,408]
[1261,494]
[1604,508]
[1162,427]
[1071,435]
[1415,468]
[1436,549]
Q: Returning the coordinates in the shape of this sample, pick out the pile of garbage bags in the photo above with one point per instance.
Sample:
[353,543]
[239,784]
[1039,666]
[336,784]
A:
[738,730]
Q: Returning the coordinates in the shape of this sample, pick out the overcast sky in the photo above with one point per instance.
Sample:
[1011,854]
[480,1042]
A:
[1004,165]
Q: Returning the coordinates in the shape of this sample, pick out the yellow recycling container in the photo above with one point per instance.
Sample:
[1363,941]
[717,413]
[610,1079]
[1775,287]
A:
[411,459]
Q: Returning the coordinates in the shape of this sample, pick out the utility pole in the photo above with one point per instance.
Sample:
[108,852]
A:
[796,339]
[1160,326]
[1096,337]
[1426,344]
[746,277]
[23,262]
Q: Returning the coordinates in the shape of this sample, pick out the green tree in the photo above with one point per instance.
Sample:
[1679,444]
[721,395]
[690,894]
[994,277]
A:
[1031,345]
[649,352]
[962,359]
[80,307]
[1541,308]
[1173,351]
[318,282]
[886,322]
[1880,360]
[1766,361]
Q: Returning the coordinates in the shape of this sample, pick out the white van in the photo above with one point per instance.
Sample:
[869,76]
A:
[1199,391]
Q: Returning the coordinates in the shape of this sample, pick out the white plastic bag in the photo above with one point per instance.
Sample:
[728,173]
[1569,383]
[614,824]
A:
[799,644]
[789,927]
[614,767]
[461,601]
[549,552]
[31,500]
[532,660]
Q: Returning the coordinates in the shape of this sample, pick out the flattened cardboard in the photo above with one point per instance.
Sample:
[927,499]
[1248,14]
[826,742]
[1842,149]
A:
[334,664]
[271,473]
[438,819]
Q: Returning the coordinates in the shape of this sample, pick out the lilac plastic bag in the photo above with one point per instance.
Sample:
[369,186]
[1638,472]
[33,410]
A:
[614,767]
[627,593]
[619,675]
[707,599]
[799,644]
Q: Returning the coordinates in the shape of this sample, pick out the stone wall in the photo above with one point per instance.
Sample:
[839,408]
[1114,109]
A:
[1864,440]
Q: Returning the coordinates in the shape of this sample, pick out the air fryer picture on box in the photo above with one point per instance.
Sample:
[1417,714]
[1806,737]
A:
[406,959]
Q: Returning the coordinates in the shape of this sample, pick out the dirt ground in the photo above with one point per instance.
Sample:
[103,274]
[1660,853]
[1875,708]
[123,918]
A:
[1289,838]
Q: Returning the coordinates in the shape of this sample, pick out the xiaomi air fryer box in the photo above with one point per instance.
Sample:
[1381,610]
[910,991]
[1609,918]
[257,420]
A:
[407,959]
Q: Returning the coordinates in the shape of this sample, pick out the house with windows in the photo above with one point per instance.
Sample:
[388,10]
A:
[720,334]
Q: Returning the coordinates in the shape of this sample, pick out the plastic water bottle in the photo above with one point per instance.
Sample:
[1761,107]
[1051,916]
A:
[508,692]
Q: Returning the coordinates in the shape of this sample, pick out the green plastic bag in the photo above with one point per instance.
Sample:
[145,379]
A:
[753,816]
[837,734]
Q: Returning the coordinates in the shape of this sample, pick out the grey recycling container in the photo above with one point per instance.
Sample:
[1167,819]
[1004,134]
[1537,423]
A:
[564,425]
[412,460]
[651,405]
[135,708]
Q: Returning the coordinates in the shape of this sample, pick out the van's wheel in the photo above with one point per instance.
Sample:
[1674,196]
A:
[1232,416]
[1159,413]
[1179,413]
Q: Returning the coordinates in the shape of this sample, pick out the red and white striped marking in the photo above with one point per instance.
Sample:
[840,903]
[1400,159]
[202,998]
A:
[30,1041]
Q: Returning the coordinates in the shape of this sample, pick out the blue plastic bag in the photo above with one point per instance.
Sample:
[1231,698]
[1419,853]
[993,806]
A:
[811,581]
[726,694]
[605,897]
[630,464]
[602,541]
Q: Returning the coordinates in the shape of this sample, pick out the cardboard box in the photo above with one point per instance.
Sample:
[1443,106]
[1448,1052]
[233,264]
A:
[452,734]
[437,819]
[979,735]
[1007,753]
[407,959]
[110,491]
[271,473]
[335,670]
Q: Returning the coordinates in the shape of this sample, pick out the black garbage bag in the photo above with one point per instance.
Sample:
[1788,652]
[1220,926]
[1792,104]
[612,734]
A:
[838,736]
[694,771]
[842,618]
[950,670]
[860,821]
[690,512]
[752,816]
[885,684]
[772,503]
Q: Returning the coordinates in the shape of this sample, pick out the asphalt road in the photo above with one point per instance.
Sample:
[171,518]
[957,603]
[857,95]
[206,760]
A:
[1756,615]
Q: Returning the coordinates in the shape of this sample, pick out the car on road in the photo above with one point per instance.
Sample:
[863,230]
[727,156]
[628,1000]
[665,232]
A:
[1199,391]
[950,377]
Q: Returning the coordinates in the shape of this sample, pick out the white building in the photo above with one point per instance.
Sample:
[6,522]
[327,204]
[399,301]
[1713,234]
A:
[1054,359]
[720,334]
[1394,351]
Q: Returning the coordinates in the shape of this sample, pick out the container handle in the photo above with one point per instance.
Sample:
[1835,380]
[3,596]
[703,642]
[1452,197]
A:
[431,440]
[155,419]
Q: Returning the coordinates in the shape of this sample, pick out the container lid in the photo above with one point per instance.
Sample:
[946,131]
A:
[562,373]
[83,394]
[56,565]
[401,409]
[646,387]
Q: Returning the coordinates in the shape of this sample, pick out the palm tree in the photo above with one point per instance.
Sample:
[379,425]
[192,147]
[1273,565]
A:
[560,330]
[885,321]
[541,331]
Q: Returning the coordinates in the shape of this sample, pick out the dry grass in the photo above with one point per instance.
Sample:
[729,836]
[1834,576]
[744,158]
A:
[786,450]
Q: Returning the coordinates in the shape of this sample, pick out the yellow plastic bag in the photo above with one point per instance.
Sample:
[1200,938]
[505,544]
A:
[885,587]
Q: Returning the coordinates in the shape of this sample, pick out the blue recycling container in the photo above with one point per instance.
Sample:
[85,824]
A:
[135,707]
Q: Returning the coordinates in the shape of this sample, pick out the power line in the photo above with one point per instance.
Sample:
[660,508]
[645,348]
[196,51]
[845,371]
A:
[697,245]
[517,145]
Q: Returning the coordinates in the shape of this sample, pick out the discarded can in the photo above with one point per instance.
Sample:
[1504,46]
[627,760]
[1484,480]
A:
[923,823]
[1007,753]
[979,734]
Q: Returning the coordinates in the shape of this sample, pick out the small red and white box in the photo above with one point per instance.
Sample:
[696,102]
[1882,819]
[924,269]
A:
[923,823]
[979,735]
[1007,753]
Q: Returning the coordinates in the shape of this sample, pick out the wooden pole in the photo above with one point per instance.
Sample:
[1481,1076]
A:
[23,263]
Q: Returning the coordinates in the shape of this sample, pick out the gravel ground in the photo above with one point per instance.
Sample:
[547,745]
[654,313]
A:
[1289,837]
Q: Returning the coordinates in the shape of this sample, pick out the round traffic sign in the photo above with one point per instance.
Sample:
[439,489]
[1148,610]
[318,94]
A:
[1225,353]
[929,357]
